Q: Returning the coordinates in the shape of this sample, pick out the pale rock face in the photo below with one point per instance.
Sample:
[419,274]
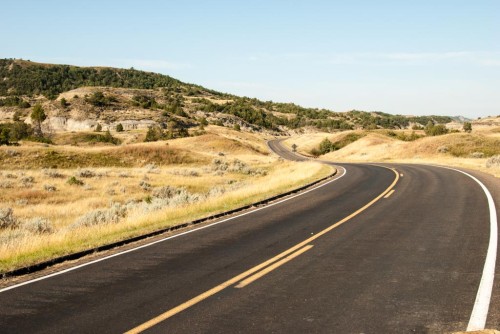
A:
[68,124]
[65,124]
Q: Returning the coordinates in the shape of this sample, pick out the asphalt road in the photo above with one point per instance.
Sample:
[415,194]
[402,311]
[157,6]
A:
[409,262]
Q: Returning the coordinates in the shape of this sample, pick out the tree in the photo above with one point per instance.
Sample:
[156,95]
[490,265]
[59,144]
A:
[97,99]
[467,127]
[38,116]
[119,127]
[4,136]
[294,147]
[98,128]
[64,103]
[17,116]
[203,123]
[326,146]
[154,133]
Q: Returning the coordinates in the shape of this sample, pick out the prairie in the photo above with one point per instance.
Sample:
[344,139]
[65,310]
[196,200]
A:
[478,150]
[49,206]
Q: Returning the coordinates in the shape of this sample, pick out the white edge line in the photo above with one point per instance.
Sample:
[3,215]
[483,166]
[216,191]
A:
[479,313]
[171,237]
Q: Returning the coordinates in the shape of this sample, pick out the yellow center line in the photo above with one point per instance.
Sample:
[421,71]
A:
[156,320]
[266,271]
[389,193]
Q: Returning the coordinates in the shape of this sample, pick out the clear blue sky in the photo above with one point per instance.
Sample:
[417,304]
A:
[408,57]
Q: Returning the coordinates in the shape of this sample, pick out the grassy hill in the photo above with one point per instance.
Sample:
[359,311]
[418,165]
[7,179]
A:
[478,150]
[98,92]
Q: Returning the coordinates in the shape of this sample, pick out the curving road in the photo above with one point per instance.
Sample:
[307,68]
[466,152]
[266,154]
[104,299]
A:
[375,250]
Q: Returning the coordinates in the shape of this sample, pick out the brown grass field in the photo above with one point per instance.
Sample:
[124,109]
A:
[61,199]
[467,150]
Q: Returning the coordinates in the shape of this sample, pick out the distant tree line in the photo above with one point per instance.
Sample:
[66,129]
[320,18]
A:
[14,101]
[26,78]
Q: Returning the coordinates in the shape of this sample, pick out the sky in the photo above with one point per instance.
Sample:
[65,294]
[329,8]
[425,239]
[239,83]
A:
[402,57]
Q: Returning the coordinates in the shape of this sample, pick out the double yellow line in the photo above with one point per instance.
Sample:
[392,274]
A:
[255,273]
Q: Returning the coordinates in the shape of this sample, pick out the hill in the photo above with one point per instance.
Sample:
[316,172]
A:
[479,149]
[78,98]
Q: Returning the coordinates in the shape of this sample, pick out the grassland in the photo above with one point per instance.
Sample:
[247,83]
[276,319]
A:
[56,200]
[478,150]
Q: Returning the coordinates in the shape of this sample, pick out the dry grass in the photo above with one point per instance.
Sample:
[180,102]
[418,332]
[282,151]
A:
[69,198]
[208,191]
[455,149]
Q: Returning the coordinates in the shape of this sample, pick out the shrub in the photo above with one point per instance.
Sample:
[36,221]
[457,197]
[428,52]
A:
[145,186]
[6,185]
[102,216]
[100,138]
[327,146]
[154,134]
[119,127]
[216,192]
[86,173]
[52,173]
[404,137]
[186,172]
[443,149]
[494,161]
[238,166]
[64,103]
[435,130]
[49,188]
[219,165]
[27,181]
[166,192]
[7,219]
[152,168]
[97,99]
[98,127]
[38,225]
[74,181]
[477,155]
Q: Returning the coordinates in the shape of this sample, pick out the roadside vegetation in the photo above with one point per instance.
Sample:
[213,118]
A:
[48,211]
[478,149]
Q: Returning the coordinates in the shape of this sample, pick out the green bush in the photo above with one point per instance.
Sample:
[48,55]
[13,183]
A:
[435,130]
[327,146]
[74,181]
[99,138]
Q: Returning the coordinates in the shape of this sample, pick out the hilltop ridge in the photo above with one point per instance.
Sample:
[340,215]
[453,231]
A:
[132,96]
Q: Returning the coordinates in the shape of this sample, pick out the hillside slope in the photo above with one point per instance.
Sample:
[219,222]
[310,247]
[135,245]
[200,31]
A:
[81,97]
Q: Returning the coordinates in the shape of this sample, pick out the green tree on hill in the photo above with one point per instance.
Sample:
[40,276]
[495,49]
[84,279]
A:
[64,103]
[38,116]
